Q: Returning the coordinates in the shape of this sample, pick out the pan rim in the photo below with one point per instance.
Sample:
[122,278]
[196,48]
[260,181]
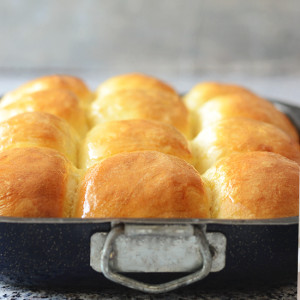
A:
[275,221]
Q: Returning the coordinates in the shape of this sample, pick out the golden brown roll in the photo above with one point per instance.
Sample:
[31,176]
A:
[136,159]
[61,103]
[64,82]
[35,129]
[254,185]
[36,182]
[247,106]
[133,81]
[205,91]
[115,137]
[145,184]
[141,104]
[240,135]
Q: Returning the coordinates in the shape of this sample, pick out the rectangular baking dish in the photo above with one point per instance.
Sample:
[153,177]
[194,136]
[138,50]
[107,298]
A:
[154,255]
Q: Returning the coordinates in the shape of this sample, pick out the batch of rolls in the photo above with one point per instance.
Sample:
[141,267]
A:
[135,148]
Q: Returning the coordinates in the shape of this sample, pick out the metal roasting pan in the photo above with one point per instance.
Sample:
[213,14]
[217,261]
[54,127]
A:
[151,255]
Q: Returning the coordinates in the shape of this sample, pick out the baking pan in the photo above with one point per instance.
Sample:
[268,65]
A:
[156,255]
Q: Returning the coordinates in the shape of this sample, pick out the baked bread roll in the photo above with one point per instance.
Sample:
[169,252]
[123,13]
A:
[35,129]
[145,184]
[110,138]
[247,106]
[205,91]
[65,82]
[36,182]
[133,81]
[61,103]
[254,185]
[135,159]
[141,104]
[240,135]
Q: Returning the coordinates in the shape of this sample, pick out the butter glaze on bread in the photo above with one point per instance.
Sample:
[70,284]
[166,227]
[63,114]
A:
[247,106]
[65,82]
[36,183]
[141,104]
[145,184]
[135,158]
[37,129]
[61,103]
[133,81]
[110,138]
[240,135]
[254,185]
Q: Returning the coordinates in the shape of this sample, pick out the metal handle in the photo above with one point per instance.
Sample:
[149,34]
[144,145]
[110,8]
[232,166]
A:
[107,254]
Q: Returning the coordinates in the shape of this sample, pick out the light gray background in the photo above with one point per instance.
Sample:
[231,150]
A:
[255,43]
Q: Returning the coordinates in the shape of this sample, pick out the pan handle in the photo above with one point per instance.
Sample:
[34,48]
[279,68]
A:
[108,254]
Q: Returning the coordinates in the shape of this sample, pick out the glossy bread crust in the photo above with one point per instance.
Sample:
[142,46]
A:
[233,135]
[145,184]
[133,81]
[131,148]
[141,104]
[110,138]
[206,91]
[61,103]
[36,183]
[247,106]
[254,185]
[64,82]
[36,129]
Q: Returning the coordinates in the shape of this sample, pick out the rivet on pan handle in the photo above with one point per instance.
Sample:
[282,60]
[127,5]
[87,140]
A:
[107,255]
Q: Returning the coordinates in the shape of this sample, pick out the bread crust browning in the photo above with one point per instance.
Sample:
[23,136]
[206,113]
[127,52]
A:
[135,160]
[254,185]
[35,129]
[206,91]
[141,104]
[64,82]
[145,184]
[133,81]
[247,106]
[34,183]
[233,135]
[61,103]
[110,138]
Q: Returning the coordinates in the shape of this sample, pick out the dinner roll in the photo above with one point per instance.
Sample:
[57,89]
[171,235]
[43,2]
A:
[243,105]
[144,152]
[240,135]
[65,82]
[145,184]
[254,185]
[141,104]
[36,182]
[58,102]
[205,91]
[133,81]
[35,129]
[114,137]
